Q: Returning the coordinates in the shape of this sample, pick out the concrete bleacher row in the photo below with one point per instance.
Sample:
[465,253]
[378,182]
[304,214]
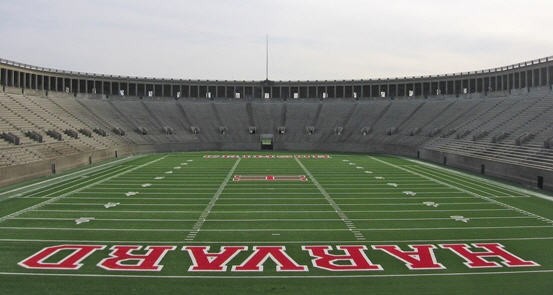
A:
[22,113]
[483,127]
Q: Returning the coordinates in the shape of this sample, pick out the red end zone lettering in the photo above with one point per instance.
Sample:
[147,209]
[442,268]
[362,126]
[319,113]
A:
[276,253]
[349,258]
[355,256]
[421,258]
[217,262]
[70,262]
[491,250]
[122,258]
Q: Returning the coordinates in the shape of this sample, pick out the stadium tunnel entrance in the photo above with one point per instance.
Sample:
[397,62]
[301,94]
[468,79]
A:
[267,141]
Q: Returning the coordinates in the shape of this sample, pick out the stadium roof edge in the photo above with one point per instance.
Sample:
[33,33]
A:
[154,79]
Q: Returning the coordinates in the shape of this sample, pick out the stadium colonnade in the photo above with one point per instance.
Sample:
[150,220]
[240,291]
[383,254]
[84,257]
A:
[497,122]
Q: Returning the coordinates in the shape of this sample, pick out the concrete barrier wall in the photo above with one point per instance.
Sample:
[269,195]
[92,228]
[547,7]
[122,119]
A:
[18,173]
[521,175]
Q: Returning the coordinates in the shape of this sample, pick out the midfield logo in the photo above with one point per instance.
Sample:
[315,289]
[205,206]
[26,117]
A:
[341,259]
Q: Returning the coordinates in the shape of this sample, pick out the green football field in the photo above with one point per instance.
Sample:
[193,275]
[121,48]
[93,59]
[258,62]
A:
[284,202]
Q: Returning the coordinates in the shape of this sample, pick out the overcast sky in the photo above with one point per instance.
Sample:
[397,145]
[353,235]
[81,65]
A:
[309,39]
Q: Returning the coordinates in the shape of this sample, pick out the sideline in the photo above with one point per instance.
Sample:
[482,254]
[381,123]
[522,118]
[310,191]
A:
[51,200]
[485,180]
[60,178]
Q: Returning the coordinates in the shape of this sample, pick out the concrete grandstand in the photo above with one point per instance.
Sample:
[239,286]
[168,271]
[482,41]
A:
[498,122]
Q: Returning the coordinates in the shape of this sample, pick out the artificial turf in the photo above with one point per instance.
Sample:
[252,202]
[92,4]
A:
[184,199]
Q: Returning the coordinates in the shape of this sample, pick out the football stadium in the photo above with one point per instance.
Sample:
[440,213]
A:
[119,184]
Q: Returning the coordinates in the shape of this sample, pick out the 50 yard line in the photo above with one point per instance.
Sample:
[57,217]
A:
[198,225]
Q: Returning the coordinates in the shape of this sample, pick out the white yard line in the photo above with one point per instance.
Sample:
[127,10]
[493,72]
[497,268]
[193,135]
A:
[265,193]
[271,211]
[277,229]
[60,178]
[547,220]
[64,188]
[269,219]
[268,204]
[249,277]
[485,180]
[493,200]
[199,223]
[39,205]
[487,189]
[349,224]
[309,242]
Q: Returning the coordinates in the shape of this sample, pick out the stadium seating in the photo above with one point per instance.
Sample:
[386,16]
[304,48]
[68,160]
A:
[513,129]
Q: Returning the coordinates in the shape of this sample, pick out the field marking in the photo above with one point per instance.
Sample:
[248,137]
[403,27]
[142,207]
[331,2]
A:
[460,227]
[447,177]
[267,204]
[66,176]
[290,198]
[486,189]
[349,224]
[547,220]
[488,181]
[201,220]
[248,277]
[39,205]
[109,170]
[268,193]
[61,186]
[271,219]
[272,211]
[483,189]
[253,242]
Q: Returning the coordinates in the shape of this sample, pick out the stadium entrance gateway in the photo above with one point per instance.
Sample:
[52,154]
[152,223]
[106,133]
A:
[267,141]
[344,258]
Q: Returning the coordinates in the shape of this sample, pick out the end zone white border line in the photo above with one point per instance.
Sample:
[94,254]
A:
[281,277]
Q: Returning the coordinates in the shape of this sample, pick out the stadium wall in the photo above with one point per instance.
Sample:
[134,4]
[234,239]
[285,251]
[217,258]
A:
[521,175]
[18,173]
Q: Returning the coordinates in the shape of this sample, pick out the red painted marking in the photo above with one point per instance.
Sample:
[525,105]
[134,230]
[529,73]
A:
[213,262]
[122,258]
[277,254]
[71,261]
[492,250]
[354,259]
[422,256]
[302,178]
